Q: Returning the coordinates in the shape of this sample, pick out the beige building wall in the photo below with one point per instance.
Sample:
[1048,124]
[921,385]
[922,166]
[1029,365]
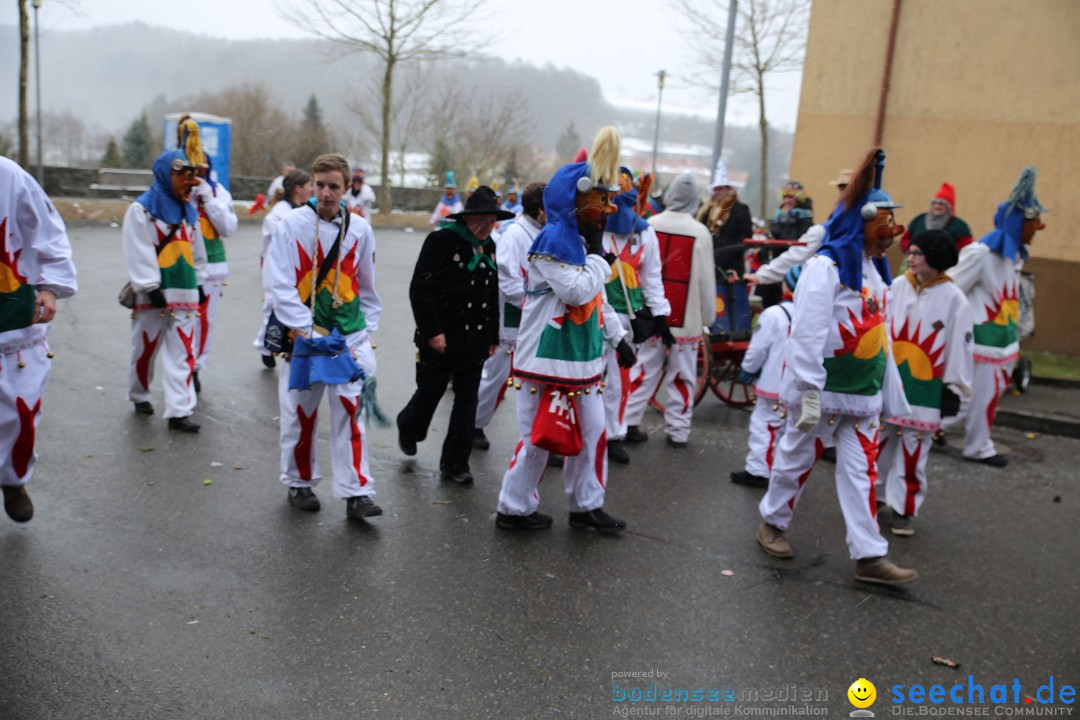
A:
[979,90]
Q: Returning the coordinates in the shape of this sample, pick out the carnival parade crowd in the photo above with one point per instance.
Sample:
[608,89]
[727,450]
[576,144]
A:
[582,297]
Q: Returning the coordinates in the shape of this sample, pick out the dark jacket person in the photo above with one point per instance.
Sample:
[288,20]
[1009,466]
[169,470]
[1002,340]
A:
[455,301]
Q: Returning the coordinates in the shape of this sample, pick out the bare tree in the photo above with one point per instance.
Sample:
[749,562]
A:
[24,69]
[770,37]
[397,32]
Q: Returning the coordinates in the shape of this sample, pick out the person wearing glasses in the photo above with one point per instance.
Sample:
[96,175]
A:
[931,329]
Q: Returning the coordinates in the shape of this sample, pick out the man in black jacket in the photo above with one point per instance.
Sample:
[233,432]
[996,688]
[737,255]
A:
[455,302]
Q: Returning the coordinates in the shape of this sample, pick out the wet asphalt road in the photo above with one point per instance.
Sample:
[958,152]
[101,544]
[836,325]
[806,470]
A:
[140,591]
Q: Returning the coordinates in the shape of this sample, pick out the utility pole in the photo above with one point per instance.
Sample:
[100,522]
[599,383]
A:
[37,90]
[729,45]
[656,136]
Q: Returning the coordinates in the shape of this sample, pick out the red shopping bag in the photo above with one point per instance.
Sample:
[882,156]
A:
[556,427]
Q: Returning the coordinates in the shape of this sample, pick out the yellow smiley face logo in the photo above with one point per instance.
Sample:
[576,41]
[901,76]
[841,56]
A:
[862,693]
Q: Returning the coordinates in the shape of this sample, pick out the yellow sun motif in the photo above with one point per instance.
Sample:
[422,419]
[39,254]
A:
[173,252]
[872,343]
[9,283]
[1009,312]
[918,362]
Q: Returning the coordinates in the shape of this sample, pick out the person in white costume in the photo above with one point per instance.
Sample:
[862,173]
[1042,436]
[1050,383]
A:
[762,366]
[361,198]
[36,270]
[988,272]
[295,191]
[839,377]
[449,204]
[323,239]
[635,290]
[166,263]
[217,221]
[931,329]
[511,255]
[560,344]
[686,255]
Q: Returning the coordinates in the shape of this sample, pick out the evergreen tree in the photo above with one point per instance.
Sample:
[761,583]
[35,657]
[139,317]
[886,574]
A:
[568,144]
[112,158]
[313,139]
[138,144]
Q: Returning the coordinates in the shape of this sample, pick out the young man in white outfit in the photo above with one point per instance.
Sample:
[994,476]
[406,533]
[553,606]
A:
[688,278]
[634,288]
[511,255]
[839,377]
[931,329]
[345,300]
[35,270]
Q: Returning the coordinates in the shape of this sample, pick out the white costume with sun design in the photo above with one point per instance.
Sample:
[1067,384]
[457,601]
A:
[931,331]
[990,282]
[35,255]
[838,348]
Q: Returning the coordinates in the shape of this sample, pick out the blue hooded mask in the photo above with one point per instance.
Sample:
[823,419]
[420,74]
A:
[844,239]
[626,220]
[560,238]
[1009,219]
[159,199]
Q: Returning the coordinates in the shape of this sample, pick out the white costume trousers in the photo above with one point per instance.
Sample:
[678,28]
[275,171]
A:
[176,330]
[645,378]
[493,384]
[989,383]
[856,475]
[348,438]
[766,428]
[902,475]
[617,386]
[207,316]
[21,389]
[584,475]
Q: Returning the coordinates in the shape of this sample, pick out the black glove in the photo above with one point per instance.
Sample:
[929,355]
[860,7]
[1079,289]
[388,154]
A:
[950,402]
[624,355]
[202,296]
[662,331]
[157,298]
[594,240]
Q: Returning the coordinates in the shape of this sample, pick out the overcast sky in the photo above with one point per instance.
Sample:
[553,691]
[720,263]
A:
[639,38]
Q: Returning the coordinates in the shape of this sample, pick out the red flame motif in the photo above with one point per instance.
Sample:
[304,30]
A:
[23,451]
[305,447]
[1006,306]
[356,438]
[306,264]
[861,326]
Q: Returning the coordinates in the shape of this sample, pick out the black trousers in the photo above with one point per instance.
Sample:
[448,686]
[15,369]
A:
[433,373]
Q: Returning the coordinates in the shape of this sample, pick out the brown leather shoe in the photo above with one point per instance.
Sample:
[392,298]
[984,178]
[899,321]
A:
[17,503]
[772,541]
[883,571]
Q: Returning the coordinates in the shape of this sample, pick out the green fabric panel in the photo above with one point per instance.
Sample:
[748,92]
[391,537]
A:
[617,299]
[348,318]
[850,375]
[180,276]
[924,393]
[993,335]
[573,342]
[511,316]
[215,250]
[17,308]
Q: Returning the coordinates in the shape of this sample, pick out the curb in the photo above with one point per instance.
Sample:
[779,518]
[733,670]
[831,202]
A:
[1056,382]
[1034,422]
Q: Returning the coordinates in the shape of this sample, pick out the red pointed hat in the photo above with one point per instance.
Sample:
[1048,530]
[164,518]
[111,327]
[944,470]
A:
[947,194]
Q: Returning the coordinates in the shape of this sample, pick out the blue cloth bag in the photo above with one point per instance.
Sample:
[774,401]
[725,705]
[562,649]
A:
[322,359]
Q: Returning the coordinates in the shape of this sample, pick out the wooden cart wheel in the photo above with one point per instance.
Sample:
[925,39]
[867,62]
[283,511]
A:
[724,379]
[703,366]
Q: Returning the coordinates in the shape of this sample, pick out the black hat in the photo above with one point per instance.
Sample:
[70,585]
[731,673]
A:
[482,202]
[938,247]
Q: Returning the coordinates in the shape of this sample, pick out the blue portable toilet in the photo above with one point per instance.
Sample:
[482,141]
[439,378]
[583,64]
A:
[216,134]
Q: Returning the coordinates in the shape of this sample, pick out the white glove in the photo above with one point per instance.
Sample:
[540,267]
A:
[202,192]
[811,412]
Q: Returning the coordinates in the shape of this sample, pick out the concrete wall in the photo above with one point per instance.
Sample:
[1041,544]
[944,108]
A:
[979,90]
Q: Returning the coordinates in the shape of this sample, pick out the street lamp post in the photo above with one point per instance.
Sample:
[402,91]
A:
[718,143]
[656,136]
[37,91]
